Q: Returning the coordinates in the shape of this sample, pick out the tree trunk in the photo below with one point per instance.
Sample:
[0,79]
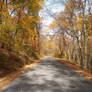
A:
[85,36]
[80,53]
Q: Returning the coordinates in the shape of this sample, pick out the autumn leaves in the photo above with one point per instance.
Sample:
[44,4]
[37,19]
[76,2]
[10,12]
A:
[75,27]
[18,23]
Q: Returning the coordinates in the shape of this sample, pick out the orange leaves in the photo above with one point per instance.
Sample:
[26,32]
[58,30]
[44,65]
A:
[1,3]
[34,19]
[53,25]
[19,20]
[36,6]
[64,24]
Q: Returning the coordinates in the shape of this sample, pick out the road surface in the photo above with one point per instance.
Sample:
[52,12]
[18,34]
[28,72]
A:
[49,76]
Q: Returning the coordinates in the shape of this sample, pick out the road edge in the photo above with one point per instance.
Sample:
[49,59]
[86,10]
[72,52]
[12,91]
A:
[76,68]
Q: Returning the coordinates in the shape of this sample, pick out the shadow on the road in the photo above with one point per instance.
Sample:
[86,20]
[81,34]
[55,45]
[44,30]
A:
[47,86]
[50,76]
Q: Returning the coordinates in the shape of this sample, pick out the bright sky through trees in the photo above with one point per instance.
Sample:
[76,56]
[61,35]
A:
[52,6]
[31,29]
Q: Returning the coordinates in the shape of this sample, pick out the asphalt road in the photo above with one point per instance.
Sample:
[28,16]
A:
[49,76]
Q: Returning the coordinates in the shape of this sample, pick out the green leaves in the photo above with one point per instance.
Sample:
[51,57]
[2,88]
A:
[27,47]
[19,26]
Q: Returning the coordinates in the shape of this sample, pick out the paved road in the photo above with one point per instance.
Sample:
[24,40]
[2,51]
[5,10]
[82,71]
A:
[49,76]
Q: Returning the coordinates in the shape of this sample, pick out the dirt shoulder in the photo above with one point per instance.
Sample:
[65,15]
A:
[77,69]
[4,81]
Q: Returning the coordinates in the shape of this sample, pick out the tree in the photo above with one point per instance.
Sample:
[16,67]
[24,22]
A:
[18,24]
[73,23]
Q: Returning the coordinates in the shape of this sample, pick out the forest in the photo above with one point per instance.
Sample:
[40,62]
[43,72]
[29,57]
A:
[22,39]
[19,31]
[73,33]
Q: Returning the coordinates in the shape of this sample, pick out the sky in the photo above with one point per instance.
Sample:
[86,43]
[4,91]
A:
[53,7]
